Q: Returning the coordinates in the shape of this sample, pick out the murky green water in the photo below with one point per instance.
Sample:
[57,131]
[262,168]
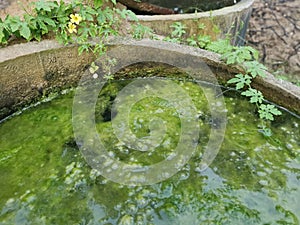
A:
[45,180]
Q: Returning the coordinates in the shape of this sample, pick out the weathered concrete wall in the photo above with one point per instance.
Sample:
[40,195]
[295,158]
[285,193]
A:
[281,92]
[230,20]
[29,70]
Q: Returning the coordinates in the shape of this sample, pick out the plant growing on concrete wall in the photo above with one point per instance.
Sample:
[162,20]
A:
[69,23]
[245,57]
[77,22]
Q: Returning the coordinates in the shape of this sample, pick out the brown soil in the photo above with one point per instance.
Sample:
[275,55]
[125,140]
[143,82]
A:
[274,30]
[13,7]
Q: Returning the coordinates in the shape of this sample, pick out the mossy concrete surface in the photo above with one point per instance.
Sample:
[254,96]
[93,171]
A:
[30,70]
[229,20]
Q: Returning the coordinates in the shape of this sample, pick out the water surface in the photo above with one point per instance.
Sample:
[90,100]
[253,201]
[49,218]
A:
[45,180]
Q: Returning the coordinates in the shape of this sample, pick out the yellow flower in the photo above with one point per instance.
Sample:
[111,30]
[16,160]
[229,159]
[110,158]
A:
[75,18]
[72,28]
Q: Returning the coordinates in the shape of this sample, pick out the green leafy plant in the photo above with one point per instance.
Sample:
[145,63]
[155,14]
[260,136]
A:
[240,80]
[238,55]
[267,132]
[268,111]
[178,30]
[203,41]
[177,33]
[74,22]
[221,46]
[192,41]
[254,95]
[247,58]
[46,17]
[140,31]
[244,57]
[201,26]
[107,64]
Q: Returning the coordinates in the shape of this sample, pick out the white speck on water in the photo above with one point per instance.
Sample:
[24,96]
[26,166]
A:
[115,166]
[261,174]
[263,182]
[111,154]
[232,154]
[171,156]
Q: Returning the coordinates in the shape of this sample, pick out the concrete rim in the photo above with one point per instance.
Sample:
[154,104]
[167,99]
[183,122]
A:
[278,91]
[240,6]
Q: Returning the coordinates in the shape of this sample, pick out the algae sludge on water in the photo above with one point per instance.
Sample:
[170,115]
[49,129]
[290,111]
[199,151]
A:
[44,178]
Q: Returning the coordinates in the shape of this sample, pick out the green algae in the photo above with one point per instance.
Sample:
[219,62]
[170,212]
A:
[45,180]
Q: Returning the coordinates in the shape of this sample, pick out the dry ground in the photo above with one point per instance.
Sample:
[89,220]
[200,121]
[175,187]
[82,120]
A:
[274,30]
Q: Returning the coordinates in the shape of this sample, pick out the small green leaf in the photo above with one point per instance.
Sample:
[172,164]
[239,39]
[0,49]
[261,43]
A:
[172,40]
[122,13]
[91,10]
[92,30]
[201,26]
[83,32]
[254,53]
[247,93]
[256,96]
[238,55]
[37,36]
[132,16]
[42,26]
[140,31]
[203,40]
[98,3]
[221,46]
[216,29]
[240,80]
[45,5]
[93,68]
[25,31]
[255,69]
[49,21]
[178,29]
[275,111]
[231,60]
[267,111]
[2,35]
[31,21]
[83,48]
[87,16]
[267,132]
[192,42]
[14,23]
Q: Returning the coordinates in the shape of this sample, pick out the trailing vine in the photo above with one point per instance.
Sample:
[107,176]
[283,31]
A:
[243,56]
